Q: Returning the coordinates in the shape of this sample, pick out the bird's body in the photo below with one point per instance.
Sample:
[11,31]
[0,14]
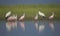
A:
[22,17]
[41,14]
[52,16]
[36,17]
[12,18]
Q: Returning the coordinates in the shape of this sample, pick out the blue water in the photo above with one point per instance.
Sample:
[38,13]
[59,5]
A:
[30,29]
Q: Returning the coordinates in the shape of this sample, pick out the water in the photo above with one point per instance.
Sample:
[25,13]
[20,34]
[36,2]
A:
[29,29]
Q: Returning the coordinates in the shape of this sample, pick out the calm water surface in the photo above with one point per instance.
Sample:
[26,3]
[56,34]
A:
[29,29]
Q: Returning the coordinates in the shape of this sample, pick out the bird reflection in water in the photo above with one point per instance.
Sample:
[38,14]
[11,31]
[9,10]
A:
[41,27]
[11,25]
[22,25]
[36,25]
[51,24]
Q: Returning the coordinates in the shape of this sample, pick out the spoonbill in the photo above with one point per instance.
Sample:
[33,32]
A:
[36,17]
[12,18]
[22,17]
[51,21]
[52,16]
[36,23]
[22,22]
[41,14]
[9,18]
[42,26]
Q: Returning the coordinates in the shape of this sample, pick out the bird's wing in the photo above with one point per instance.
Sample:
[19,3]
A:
[7,14]
[41,14]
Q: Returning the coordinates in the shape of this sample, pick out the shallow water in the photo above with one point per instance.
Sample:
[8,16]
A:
[28,29]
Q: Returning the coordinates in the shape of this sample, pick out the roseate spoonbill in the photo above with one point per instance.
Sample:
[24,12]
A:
[42,26]
[51,21]
[12,18]
[22,17]
[35,21]
[36,17]
[52,16]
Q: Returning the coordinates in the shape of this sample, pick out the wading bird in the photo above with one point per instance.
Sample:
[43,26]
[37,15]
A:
[41,14]
[51,21]
[10,17]
[42,26]
[13,19]
[36,17]
[35,21]
[22,17]
[52,16]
